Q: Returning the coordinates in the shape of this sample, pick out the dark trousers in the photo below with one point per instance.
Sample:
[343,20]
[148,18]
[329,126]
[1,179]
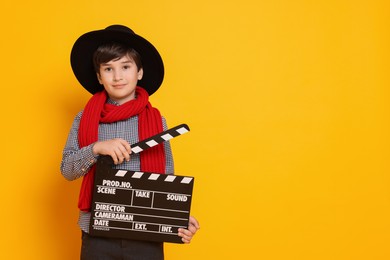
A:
[101,248]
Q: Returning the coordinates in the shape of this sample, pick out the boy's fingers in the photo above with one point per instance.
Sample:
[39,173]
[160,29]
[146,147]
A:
[194,222]
[114,158]
[121,148]
[125,150]
[185,235]
[192,229]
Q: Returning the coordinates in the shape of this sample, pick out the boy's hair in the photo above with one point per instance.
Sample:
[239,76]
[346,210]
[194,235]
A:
[113,51]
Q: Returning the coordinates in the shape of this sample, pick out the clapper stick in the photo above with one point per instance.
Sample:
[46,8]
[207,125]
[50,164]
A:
[159,138]
[151,141]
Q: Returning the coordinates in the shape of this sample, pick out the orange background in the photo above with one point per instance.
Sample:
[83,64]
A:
[288,102]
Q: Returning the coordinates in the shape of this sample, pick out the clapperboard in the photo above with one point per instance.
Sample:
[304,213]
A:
[140,205]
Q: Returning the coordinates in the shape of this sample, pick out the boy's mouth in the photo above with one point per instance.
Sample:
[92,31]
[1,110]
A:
[119,85]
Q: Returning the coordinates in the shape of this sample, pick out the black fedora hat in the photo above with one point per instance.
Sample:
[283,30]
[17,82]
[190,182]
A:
[85,46]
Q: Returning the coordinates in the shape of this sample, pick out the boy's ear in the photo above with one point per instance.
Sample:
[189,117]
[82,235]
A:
[98,77]
[140,74]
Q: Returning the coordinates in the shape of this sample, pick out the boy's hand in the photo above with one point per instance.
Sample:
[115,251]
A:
[119,149]
[187,234]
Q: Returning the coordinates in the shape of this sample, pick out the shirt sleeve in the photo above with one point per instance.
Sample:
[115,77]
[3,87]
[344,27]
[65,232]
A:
[169,167]
[76,162]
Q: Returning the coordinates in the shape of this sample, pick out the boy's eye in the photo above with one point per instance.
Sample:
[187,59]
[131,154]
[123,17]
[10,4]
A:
[126,67]
[107,69]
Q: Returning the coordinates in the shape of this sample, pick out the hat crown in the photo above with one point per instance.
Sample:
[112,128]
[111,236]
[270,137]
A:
[121,28]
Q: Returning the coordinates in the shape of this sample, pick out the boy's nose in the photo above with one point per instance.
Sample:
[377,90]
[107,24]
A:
[117,76]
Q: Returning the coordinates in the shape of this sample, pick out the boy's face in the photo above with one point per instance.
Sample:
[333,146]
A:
[119,78]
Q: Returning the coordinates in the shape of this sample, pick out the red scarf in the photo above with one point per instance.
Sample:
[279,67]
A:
[149,123]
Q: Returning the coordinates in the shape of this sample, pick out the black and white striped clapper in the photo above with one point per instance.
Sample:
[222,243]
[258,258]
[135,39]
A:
[159,138]
[140,205]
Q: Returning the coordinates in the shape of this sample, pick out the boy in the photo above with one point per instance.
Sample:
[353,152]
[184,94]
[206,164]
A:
[121,69]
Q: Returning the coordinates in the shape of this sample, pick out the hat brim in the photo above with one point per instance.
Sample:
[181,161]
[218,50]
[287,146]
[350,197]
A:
[85,46]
